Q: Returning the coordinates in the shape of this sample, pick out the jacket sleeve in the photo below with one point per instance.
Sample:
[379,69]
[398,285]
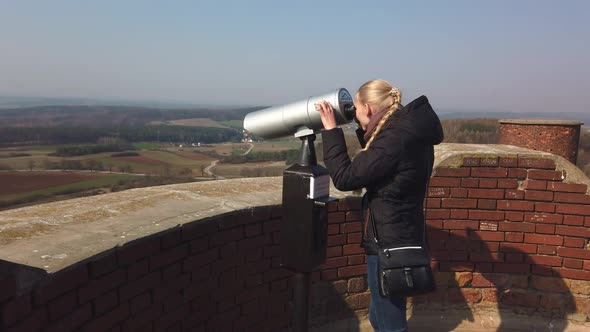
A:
[367,167]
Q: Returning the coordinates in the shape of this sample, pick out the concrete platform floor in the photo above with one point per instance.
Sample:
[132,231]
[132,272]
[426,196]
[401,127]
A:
[456,322]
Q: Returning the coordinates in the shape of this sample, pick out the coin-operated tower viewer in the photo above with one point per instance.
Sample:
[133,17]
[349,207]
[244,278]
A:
[306,186]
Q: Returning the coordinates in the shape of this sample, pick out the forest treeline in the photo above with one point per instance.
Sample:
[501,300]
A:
[290,156]
[76,135]
[109,116]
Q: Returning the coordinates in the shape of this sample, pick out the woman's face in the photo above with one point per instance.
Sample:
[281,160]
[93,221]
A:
[362,113]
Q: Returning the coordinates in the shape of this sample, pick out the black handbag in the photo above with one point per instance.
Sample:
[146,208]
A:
[404,271]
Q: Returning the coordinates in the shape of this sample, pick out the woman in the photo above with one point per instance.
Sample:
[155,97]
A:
[394,166]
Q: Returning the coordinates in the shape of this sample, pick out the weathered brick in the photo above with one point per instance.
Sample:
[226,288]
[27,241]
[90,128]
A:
[573,263]
[543,218]
[72,321]
[536,195]
[516,227]
[545,175]
[349,204]
[545,228]
[137,269]
[575,209]
[516,205]
[489,172]
[489,162]
[99,286]
[547,250]
[354,238]
[514,237]
[459,193]
[488,236]
[438,192]
[567,187]
[582,232]
[514,216]
[573,220]
[543,239]
[514,258]
[469,183]
[507,162]
[459,203]
[514,194]
[168,256]
[507,183]
[572,198]
[544,207]
[459,214]
[354,216]
[573,274]
[134,288]
[574,242]
[540,163]
[16,309]
[518,173]
[530,184]
[486,204]
[456,266]
[62,305]
[336,217]
[105,303]
[490,183]
[544,260]
[573,253]
[452,172]
[519,268]
[112,318]
[138,249]
[471,162]
[350,271]
[518,247]
[60,283]
[486,215]
[486,193]
[444,182]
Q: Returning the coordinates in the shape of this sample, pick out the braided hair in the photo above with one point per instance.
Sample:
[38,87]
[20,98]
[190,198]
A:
[382,95]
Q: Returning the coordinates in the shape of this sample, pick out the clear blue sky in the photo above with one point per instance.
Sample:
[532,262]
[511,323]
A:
[506,55]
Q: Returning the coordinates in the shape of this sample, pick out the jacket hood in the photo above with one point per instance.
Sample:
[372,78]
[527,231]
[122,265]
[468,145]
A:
[419,121]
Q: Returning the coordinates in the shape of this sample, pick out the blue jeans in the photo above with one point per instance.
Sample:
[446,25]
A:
[386,314]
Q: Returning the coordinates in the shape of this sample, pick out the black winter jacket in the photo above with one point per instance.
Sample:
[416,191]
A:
[395,171]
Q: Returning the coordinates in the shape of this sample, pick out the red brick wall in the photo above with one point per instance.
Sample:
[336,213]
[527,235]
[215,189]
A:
[509,233]
[505,233]
[221,274]
[561,140]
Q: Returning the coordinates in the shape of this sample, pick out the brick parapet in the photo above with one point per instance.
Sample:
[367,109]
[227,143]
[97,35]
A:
[553,136]
[507,234]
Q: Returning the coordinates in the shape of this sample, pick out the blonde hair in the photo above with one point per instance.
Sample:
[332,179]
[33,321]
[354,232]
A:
[380,95]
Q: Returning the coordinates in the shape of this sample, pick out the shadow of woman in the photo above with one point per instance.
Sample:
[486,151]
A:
[491,285]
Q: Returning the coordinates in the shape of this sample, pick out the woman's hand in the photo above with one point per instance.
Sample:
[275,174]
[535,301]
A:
[326,114]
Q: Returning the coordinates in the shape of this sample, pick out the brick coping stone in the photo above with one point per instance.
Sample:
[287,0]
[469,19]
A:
[542,122]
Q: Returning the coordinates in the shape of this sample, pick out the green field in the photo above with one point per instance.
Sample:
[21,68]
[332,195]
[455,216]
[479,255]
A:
[237,124]
[146,145]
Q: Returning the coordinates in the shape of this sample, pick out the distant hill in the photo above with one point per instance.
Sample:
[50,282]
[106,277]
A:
[109,116]
[21,102]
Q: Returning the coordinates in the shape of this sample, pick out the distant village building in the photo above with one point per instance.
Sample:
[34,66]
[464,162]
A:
[246,138]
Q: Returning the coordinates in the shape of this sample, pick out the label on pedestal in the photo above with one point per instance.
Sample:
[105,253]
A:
[319,186]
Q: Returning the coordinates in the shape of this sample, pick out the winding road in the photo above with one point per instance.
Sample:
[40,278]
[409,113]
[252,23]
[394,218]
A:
[208,169]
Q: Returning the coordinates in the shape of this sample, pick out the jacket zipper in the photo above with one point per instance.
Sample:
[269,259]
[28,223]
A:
[401,248]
